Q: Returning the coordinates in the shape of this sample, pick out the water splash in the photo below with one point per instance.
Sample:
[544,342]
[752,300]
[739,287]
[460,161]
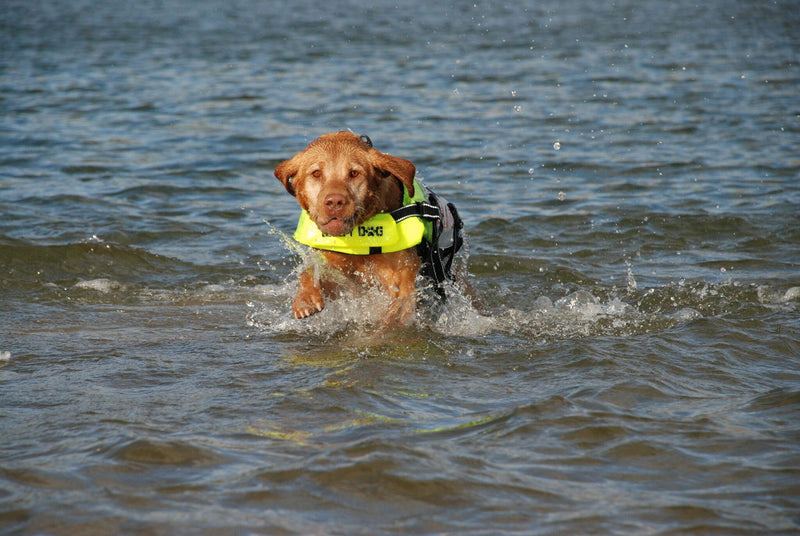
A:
[288,242]
[579,314]
[590,310]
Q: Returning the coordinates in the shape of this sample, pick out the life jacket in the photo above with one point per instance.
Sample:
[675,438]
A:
[425,221]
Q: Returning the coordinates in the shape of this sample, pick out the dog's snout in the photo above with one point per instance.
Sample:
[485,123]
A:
[335,203]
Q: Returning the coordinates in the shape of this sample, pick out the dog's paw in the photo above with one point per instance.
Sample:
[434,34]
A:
[306,305]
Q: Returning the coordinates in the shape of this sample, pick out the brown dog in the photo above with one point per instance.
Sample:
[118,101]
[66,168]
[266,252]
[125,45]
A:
[342,181]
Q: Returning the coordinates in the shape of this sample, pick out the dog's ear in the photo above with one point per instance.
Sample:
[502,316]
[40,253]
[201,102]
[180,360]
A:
[286,171]
[399,167]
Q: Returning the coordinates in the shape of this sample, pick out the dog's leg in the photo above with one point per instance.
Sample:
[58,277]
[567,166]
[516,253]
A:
[401,311]
[308,299]
[397,273]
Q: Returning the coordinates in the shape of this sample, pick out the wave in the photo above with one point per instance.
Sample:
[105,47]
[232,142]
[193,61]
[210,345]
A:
[28,265]
[512,298]
[97,265]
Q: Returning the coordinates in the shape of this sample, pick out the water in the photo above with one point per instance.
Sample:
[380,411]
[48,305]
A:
[628,173]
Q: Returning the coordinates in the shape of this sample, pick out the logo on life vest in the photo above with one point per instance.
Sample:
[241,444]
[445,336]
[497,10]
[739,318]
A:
[372,230]
[363,231]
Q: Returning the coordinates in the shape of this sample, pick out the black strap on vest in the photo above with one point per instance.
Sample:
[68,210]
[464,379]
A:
[437,258]
[420,210]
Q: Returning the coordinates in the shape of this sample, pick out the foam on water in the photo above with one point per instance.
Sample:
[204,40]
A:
[593,311]
[767,294]
[102,285]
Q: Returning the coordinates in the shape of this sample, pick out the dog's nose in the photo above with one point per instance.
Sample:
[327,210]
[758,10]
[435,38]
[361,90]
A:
[335,203]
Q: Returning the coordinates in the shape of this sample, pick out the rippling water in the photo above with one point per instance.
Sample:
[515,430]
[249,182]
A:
[628,173]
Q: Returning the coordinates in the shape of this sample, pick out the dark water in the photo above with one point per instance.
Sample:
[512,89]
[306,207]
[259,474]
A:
[628,172]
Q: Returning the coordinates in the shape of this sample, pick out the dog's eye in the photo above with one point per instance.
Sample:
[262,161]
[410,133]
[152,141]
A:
[354,173]
[316,173]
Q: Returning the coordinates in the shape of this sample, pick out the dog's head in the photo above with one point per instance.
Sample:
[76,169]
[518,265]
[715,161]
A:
[342,181]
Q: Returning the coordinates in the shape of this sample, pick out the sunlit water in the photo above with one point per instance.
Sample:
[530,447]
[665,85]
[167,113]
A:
[629,362]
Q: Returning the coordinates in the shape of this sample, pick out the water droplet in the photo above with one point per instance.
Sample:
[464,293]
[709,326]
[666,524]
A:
[531,171]
[557,146]
[630,280]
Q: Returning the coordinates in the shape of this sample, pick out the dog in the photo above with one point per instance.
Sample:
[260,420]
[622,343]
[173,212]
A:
[370,219]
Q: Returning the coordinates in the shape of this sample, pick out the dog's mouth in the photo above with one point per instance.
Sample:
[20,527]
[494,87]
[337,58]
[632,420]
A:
[336,226]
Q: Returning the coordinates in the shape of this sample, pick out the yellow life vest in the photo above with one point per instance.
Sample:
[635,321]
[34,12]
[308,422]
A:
[381,233]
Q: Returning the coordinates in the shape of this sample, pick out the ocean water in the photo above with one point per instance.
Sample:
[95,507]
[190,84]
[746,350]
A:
[629,176]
